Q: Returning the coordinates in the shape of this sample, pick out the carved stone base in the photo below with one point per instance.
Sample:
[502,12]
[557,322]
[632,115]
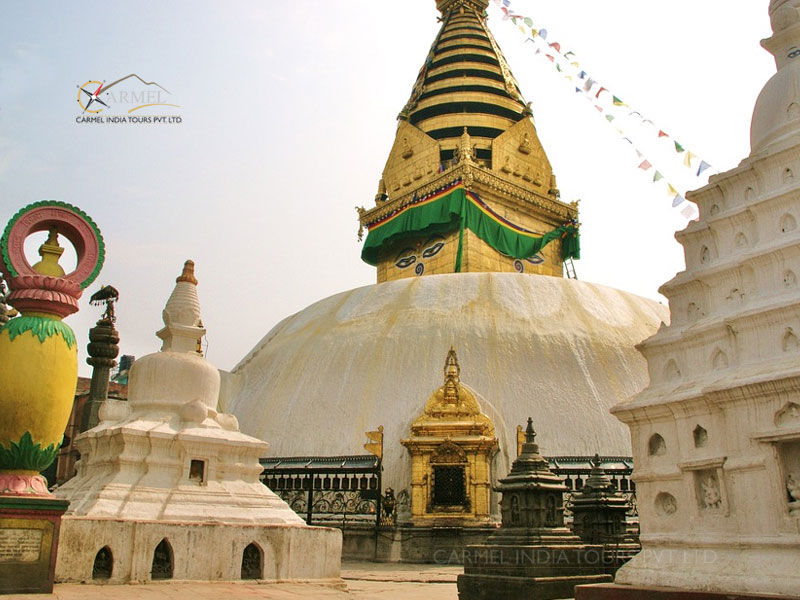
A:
[29,529]
[625,592]
[523,572]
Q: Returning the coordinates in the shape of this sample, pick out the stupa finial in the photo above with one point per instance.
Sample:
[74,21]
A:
[50,252]
[452,374]
[447,6]
[530,434]
[181,315]
[188,273]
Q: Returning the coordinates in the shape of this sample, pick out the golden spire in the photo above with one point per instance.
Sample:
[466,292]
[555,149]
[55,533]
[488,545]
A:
[50,252]
[451,377]
[445,6]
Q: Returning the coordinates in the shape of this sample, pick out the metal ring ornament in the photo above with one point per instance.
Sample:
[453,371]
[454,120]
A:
[71,222]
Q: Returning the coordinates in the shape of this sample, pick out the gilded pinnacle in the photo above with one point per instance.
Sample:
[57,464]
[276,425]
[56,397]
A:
[447,6]
[188,273]
[50,252]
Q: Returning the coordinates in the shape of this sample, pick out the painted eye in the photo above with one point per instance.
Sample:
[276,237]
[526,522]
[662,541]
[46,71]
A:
[433,250]
[405,262]
[536,259]
[794,53]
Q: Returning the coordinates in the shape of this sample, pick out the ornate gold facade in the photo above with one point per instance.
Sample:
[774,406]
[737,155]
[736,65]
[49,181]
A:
[466,120]
[451,445]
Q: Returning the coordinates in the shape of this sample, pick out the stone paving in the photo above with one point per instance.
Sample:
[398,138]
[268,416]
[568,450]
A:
[361,581]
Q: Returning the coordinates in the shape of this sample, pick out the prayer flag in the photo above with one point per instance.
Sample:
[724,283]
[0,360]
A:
[610,118]
[578,90]
[600,91]
[645,165]
[558,67]
[552,58]
[690,212]
[677,200]
[599,108]
[569,52]
[672,191]
[662,133]
[582,75]
[543,34]
[588,85]
[528,22]
[679,148]
[618,102]
[658,176]
[556,45]
[628,140]
[687,160]
[703,166]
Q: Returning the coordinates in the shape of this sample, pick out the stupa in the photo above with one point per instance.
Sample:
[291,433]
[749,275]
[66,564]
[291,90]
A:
[167,487]
[480,270]
[716,435]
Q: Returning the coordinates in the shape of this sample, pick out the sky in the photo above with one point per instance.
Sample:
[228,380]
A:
[288,112]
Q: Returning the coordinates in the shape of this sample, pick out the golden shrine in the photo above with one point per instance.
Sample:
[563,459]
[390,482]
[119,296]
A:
[467,127]
[451,445]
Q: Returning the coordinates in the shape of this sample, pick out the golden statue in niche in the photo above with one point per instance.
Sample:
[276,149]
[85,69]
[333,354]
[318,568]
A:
[451,445]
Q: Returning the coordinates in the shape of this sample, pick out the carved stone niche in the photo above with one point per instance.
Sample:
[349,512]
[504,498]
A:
[709,485]
[785,438]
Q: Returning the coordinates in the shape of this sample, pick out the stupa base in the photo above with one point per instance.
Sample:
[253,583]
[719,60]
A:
[524,572]
[611,591]
[118,551]
[29,532]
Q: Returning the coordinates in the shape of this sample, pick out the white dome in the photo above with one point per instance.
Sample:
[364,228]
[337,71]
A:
[558,350]
[776,116]
[777,113]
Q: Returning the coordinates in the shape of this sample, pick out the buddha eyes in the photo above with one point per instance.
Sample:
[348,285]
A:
[405,262]
[408,256]
[433,250]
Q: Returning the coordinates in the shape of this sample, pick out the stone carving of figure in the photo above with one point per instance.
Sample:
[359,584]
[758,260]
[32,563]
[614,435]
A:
[388,506]
[525,144]
[711,495]
[407,149]
[793,486]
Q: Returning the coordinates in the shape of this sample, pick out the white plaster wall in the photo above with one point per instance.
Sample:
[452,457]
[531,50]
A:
[201,551]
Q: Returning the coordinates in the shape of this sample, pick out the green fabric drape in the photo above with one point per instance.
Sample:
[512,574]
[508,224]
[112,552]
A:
[457,208]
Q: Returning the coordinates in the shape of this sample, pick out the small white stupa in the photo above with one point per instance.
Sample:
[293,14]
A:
[167,487]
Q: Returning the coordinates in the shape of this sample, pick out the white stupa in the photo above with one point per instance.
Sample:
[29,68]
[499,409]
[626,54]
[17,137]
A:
[168,487]
[716,435]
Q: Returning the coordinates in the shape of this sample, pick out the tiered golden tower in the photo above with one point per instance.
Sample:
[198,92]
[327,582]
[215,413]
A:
[467,186]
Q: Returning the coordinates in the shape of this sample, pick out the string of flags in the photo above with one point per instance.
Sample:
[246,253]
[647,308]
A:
[614,109]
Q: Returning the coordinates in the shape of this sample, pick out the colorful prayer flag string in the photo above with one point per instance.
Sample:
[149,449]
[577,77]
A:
[616,102]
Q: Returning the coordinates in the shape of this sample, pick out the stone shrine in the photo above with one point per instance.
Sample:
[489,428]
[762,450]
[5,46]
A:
[168,488]
[533,554]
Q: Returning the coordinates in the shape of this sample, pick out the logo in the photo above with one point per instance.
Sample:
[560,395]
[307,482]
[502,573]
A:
[129,99]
